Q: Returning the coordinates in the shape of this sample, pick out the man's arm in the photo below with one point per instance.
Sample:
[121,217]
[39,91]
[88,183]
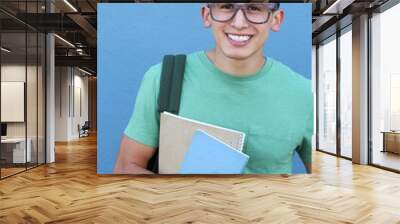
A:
[306,146]
[133,157]
[305,152]
[309,167]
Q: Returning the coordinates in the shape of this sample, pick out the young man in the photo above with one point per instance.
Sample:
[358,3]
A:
[232,86]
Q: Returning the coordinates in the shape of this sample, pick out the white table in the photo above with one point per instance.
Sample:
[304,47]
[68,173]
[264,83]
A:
[19,149]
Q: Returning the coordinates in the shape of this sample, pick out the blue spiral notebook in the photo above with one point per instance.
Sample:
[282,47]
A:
[208,155]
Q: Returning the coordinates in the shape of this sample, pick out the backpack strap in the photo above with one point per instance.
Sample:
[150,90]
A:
[169,96]
[176,84]
[165,82]
[172,73]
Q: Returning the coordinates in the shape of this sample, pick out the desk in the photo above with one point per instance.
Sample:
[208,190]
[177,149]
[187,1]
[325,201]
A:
[391,141]
[16,151]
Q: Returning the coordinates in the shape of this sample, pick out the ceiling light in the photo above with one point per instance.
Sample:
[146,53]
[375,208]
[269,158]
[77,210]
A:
[65,41]
[71,6]
[5,50]
[79,51]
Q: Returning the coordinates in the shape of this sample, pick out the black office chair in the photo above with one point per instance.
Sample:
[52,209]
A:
[84,130]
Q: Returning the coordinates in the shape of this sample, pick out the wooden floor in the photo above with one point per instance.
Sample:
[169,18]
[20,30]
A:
[70,191]
[10,171]
[387,159]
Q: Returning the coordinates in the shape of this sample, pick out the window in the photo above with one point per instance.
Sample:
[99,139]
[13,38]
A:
[385,89]
[346,93]
[327,96]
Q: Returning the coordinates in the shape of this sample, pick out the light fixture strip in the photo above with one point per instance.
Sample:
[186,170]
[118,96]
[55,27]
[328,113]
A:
[70,5]
[327,11]
[86,72]
[65,41]
[5,50]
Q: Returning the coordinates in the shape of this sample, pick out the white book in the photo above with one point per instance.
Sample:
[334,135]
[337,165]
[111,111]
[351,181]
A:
[176,134]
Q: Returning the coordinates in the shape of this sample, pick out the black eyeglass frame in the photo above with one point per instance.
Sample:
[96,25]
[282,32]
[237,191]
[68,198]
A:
[242,7]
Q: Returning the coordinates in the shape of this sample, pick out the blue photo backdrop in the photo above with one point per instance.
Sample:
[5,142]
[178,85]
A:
[132,37]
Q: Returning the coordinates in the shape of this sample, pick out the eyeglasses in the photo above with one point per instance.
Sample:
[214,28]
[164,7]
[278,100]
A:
[257,13]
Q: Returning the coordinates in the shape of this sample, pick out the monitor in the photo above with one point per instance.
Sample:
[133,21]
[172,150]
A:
[3,129]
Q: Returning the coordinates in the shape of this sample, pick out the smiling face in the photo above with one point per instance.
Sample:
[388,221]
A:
[238,38]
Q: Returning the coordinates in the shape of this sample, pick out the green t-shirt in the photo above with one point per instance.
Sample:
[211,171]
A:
[274,107]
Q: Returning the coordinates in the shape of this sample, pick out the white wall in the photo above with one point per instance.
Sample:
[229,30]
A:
[62,81]
[80,94]
[70,83]
[15,72]
[10,73]
[33,127]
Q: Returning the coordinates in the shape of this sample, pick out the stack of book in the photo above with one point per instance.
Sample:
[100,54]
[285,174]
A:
[191,147]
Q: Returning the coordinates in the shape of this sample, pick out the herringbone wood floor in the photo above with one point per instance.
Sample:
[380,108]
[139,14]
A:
[70,191]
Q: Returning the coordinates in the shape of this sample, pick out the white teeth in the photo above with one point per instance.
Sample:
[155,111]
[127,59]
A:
[239,37]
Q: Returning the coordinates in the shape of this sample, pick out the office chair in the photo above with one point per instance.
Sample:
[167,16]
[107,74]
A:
[84,130]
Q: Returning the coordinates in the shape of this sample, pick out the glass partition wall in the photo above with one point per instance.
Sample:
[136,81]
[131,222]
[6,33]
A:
[22,88]
[13,110]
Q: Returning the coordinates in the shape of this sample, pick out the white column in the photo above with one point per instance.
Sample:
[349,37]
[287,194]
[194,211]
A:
[360,90]
[50,110]
[50,92]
